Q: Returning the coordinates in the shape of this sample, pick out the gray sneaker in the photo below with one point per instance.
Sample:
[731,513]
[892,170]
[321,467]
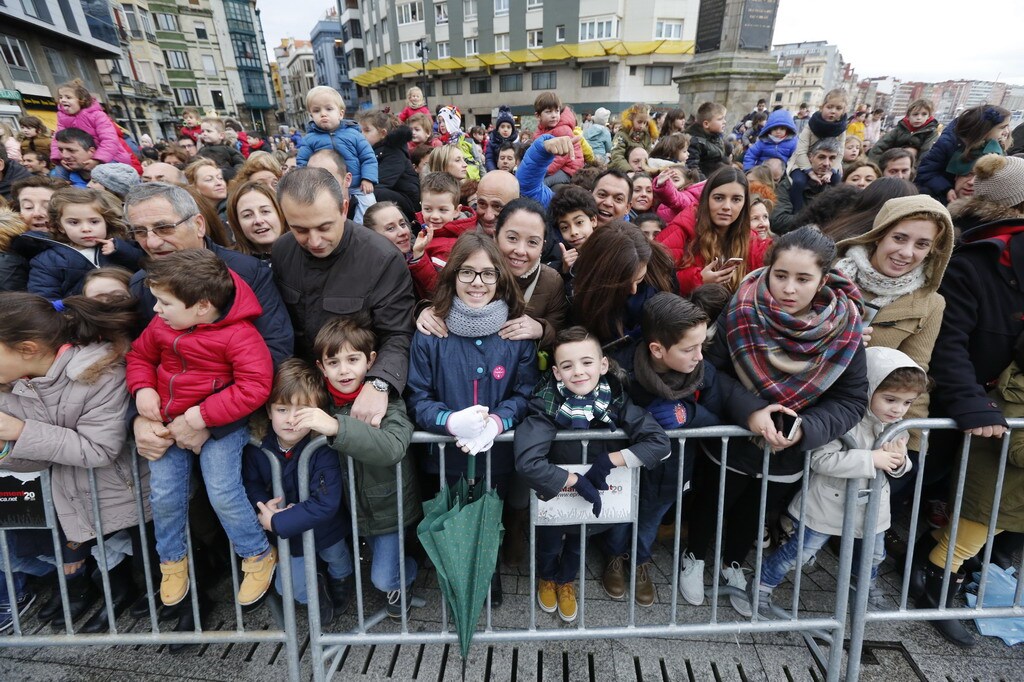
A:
[764,601]
[733,577]
[691,579]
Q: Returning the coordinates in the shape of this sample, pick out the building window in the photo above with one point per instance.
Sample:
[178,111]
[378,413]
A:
[501,43]
[409,13]
[18,59]
[500,8]
[534,4]
[778,97]
[658,75]
[443,49]
[807,97]
[510,82]
[210,67]
[69,16]
[544,80]
[469,9]
[218,99]
[176,59]
[186,97]
[599,29]
[451,86]
[471,46]
[535,39]
[560,33]
[408,51]
[201,33]
[596,78]
[133,21]
[167,22]
[440,13]
[55,60]
[668,30]
[480,85]
[147,24]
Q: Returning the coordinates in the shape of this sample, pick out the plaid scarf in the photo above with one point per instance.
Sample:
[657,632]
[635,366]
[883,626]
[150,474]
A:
[571,411]
[786,359]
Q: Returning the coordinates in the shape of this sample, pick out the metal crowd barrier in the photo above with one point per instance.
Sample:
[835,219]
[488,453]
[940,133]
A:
[154,636]
[861,616]
[328,648]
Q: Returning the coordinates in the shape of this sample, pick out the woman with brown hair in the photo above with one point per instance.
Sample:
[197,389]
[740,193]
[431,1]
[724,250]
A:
[616,272]
[712,242]
[255,217]
[260,167]
[208,178]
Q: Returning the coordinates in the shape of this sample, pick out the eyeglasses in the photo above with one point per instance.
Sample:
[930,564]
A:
[468,276]
[161,231]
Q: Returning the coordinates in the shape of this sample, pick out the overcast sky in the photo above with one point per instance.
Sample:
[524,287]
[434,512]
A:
[942,41]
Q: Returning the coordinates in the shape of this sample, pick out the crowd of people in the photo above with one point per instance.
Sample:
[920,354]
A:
[807,277]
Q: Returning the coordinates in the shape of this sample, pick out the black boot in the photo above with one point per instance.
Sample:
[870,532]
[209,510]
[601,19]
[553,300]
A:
[326,602]
[341,593]
[186,621]
[953,630]
[122,593]
[82,594]
[919,566]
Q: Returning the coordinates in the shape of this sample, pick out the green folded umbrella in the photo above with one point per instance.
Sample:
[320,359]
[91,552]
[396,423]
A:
[461,531]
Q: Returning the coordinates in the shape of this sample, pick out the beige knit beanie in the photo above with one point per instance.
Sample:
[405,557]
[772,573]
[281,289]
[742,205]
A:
[999,179]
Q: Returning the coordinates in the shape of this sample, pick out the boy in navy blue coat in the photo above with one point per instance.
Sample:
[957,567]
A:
[296,386]
[671,380]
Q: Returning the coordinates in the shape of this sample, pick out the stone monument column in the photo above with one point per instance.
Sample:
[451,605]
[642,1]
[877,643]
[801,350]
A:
[733,63]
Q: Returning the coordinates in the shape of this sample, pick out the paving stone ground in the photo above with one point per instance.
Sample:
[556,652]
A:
[894,651]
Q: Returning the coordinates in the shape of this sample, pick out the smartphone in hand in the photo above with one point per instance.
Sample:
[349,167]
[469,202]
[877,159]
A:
[786,424]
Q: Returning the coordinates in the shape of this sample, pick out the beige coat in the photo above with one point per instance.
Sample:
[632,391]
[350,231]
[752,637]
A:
[911,323]
[75,422]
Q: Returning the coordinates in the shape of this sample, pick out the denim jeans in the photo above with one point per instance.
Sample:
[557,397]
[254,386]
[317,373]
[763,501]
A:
[558,553]
[31,553]
[338,558]
[363,202]
[221,463]
[384,572]
[783,560]
[619,537]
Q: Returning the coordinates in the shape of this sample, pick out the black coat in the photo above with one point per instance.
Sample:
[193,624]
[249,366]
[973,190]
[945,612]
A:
[396,178]
[983,320]
[707,153]
[13,272]
[837,410]
[364,273]
[537,453]
[11,173]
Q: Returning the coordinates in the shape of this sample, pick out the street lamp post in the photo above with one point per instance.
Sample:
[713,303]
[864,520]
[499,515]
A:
[118,77]
[424,52]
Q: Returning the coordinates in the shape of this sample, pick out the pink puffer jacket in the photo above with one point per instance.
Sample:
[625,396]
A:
[94,121]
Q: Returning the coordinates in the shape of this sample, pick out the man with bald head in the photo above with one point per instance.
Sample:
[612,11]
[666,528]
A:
[334,163]
[496,189]
[163,172]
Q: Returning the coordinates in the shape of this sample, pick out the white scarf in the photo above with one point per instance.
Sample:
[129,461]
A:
[857,266]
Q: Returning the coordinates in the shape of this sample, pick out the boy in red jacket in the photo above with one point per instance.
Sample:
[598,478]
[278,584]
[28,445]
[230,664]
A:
[201,361]
[441,221]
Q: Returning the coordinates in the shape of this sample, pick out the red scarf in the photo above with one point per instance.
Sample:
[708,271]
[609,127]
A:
[906,121]
[343,399]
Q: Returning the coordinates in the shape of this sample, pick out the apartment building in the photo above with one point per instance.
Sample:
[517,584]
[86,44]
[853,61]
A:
[483,53]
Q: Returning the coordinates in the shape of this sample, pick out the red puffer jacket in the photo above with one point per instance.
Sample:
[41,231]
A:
[682,231]
[444,237]
[224,367]
[564,128]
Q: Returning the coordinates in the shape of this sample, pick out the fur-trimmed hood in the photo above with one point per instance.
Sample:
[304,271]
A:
[970,212]
[627,123]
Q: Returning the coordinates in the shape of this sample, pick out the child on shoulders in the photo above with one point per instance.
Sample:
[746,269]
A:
[918,129]
[829,122]
[414,104]
[638,130]
[776,141]
[707,139]
[201,361]
[554,119]
[504,133]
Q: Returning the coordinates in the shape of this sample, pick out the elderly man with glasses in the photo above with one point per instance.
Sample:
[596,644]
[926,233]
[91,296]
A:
[164,219]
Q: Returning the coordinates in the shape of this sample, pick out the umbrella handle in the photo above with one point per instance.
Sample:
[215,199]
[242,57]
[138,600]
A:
[471,469]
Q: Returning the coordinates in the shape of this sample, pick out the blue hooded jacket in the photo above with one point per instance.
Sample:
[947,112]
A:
[348,141]
[766,148]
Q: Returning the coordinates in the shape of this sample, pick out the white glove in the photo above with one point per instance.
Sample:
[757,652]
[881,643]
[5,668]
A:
[484,441]
[467,423]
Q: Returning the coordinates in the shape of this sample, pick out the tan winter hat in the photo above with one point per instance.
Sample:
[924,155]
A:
[999,179]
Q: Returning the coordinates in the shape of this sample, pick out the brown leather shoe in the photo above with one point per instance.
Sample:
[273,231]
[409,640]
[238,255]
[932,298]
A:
[644,586]
[614,578]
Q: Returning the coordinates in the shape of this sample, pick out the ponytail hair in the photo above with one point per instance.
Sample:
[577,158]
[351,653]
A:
[76,320]
[974,125]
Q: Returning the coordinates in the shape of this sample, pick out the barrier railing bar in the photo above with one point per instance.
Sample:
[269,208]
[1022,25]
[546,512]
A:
[673,611]
[997,496]
[147,564]
[12,594]
[915,514]
[108,602]
[284,554]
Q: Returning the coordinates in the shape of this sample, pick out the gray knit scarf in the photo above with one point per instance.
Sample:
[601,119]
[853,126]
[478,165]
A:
[856,265]
[474,322]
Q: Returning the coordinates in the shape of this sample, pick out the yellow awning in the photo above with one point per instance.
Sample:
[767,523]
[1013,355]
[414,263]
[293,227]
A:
[588,50]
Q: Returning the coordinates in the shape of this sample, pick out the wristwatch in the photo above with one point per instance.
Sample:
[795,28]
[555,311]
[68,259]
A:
[380,385]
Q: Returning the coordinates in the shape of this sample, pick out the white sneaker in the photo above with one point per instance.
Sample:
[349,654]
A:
[691,579]
[733,577]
